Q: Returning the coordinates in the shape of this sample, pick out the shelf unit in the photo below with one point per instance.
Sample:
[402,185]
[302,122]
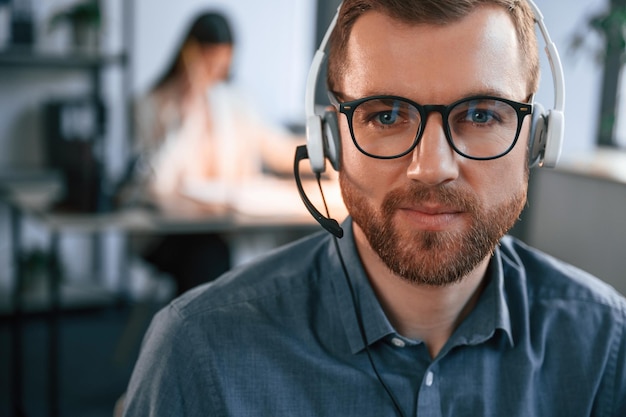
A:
[92,66]
[27,58]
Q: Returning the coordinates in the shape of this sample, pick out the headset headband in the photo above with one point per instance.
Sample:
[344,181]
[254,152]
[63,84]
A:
[558,78]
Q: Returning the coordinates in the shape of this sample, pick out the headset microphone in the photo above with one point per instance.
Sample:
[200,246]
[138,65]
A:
[327,223]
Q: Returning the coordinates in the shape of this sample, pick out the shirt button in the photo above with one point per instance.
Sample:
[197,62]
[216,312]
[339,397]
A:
[429,378]
[398,342]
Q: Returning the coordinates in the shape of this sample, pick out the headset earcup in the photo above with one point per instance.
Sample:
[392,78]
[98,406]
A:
[555,122]
[332,140]
[537,137]
[315,143]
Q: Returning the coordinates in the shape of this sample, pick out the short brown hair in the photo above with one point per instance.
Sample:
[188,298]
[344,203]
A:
[439,12]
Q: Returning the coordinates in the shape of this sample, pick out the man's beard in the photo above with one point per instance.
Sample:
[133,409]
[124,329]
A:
[434,258]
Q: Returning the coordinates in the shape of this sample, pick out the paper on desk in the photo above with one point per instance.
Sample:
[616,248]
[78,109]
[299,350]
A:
[266,196]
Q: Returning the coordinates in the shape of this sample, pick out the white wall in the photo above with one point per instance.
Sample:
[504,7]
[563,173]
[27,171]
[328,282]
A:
[564,19]
[274,45]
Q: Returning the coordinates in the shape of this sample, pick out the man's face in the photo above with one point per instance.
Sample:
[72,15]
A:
[432,216]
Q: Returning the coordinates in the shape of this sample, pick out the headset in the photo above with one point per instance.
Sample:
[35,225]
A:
[322,131]
[546,132]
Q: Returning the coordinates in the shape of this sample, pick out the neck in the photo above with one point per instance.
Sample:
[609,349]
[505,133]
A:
[421,312]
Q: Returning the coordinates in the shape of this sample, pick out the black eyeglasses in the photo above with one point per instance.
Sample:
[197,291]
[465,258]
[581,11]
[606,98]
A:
[478,127]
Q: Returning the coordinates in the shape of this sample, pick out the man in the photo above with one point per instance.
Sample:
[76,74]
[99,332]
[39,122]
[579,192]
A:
[424,307]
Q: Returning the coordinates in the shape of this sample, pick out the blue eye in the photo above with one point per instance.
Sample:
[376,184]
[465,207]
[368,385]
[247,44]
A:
[381,114]
[388,117]
[480,116]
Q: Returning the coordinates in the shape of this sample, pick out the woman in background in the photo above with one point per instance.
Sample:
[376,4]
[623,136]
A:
[197,127]
[196,131]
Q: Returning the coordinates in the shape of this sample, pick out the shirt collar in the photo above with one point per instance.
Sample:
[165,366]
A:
[490,314]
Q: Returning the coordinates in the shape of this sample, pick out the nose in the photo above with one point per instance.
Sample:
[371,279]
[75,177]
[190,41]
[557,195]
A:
[433,160]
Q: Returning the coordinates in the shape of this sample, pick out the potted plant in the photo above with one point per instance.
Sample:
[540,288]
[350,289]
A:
[611,26]
[85,20]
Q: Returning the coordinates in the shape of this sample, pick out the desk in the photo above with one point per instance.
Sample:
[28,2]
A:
[34,199]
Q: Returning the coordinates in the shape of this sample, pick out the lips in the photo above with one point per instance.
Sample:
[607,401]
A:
[434,209]
[431,217]
[430,208]
[431,222]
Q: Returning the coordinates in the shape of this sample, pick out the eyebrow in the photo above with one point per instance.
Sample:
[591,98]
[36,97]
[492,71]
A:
[336,97]
[488,92]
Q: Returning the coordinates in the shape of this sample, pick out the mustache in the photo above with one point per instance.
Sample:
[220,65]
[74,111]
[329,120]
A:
[416,194]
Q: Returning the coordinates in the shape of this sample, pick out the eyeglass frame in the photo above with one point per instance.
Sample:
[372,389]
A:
[348,107]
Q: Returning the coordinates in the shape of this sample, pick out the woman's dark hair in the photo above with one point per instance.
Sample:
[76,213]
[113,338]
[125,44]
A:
[210,28]
[206,29]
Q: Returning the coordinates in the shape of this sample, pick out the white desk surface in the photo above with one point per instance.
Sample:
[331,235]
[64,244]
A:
[602,163]
[262,204]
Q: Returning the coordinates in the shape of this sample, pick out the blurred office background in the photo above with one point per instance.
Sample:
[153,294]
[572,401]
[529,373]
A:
[95,67]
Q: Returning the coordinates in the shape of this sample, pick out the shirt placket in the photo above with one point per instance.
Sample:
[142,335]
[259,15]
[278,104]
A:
[428,399]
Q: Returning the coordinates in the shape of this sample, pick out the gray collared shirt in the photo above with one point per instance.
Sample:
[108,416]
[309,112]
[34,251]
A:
[280,337]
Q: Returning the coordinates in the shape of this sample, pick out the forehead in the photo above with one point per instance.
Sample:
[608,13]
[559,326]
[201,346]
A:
[478,54]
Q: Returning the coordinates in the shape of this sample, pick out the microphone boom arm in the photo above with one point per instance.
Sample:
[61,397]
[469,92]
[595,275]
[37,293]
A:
[327,223]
